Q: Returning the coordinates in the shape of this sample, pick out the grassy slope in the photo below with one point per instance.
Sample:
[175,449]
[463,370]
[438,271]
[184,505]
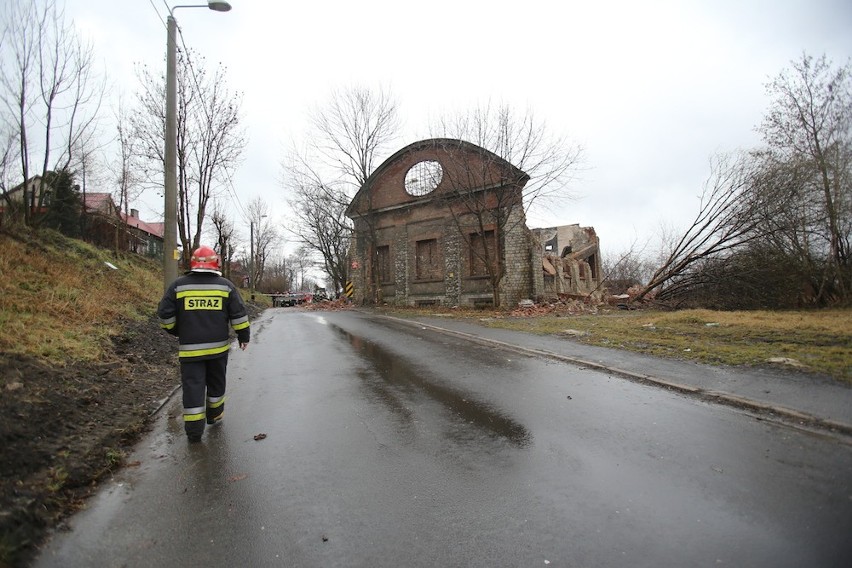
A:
[59,300]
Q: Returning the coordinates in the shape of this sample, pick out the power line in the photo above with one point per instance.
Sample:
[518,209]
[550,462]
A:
[158,12]
[233,193]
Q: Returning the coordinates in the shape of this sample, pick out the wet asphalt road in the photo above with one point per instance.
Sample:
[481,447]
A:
[390,445]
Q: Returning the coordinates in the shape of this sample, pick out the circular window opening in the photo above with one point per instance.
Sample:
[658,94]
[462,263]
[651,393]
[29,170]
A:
[423,177]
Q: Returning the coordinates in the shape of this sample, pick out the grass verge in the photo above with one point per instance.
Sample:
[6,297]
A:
[818,341]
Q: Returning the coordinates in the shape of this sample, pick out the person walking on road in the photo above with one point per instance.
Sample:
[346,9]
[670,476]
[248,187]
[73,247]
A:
[199,308]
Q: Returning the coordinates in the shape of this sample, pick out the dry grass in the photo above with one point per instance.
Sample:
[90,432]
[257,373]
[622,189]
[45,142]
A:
[818,341]
[60,301]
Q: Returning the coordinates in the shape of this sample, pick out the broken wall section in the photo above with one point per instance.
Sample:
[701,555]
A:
[568,263]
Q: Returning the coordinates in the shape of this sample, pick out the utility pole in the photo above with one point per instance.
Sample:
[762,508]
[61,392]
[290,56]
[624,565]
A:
[251,259]
[170,267]
[170,212]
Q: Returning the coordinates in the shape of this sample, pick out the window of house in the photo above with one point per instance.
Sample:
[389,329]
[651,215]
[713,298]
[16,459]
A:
[478,244]
[428,262]
[383,264]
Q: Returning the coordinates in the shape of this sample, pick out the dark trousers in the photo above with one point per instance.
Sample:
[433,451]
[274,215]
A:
[203,392]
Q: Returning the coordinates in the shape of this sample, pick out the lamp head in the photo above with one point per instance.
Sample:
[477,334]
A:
[218,6]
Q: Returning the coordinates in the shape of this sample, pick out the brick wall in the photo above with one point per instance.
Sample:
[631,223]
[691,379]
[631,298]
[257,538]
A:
[517,283]
[402,220]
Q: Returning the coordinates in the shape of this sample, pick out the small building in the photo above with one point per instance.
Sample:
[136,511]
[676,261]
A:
[144,238]
[107,226]
[26,194]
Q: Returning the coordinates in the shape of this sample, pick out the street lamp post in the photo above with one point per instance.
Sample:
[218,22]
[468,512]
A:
[170,255]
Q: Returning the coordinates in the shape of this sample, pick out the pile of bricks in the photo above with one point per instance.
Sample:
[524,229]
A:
[329,305]
[564,306]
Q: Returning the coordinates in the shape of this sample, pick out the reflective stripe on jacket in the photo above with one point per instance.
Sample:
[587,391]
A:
[201,308]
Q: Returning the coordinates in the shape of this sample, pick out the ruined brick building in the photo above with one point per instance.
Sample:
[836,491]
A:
[570,261]
[441,222]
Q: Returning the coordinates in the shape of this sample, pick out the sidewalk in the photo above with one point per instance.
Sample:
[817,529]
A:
[788,395]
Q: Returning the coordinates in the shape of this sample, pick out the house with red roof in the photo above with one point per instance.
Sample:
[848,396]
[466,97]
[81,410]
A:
[102,222]
[112,227]
[145,238]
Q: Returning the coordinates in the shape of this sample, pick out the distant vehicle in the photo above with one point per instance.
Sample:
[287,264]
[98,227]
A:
[291,299]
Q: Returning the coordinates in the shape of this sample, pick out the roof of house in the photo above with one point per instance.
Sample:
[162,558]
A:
[102,202]
[20,186]
[156,229]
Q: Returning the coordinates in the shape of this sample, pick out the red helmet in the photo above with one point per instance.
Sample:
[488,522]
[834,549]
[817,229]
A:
[204,259]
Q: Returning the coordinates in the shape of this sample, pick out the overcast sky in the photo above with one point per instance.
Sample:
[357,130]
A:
[650,89]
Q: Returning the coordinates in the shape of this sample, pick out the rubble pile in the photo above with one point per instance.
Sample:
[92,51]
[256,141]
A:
[627,300]
[563,306]
[329,305]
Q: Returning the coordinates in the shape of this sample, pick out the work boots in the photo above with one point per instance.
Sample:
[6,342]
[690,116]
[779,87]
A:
[215,409]
[194,430]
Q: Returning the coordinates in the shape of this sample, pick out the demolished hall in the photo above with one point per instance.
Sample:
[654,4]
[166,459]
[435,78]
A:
[442,222]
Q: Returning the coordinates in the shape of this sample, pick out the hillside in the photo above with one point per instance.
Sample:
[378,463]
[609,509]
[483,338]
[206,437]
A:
[83,364]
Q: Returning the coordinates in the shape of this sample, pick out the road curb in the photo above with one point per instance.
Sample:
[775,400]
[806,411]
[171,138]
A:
[779,413]
[164,401]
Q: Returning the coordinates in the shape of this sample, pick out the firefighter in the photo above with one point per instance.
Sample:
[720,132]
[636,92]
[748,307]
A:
[198,308]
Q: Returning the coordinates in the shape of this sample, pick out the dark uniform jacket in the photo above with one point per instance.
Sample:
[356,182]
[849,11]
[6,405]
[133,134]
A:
[199,308]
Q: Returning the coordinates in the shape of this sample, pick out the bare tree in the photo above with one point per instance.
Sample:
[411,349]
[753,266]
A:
[88,167]
[790,201]
[8,167]
[626,269]
[354,129]
[727,218]
[301,261]
[321,225]
[278,278]
[352,132]
[808,132]
[123,167]
[542,166]
[223,229]
[48,89]
[264,238]
[210,140]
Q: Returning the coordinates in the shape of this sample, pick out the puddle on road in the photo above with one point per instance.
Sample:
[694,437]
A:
[399,376]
